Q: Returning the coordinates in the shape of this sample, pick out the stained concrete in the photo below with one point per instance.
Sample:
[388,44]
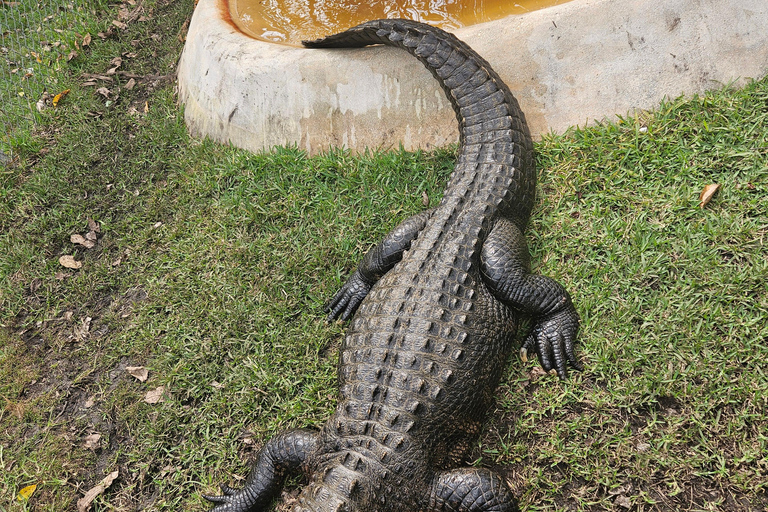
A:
[568,65]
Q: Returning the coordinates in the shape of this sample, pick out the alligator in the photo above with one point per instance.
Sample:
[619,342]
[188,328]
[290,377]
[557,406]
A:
[435,309]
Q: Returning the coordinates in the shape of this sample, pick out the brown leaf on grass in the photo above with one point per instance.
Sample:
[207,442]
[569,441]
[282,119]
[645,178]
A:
[43,101]
[72,55]
[81,331]
[155,396]
[116,63]
[536,372]
[131,84]
[92,442]
[84,503]
[81,240]
[93,225]
[623,501]
[97,76]
[707,193]
[69,262]
[86,40]
[119,24]
[104,91]
[139,372]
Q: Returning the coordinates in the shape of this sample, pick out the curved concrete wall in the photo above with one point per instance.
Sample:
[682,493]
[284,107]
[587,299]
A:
[567,65]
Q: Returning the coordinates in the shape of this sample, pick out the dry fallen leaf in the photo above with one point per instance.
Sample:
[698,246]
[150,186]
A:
[536,372]
[43,101]
[707,194]
[131,84]
[86,40]
[217,385]
[69,262]
[119,24]
[84,503]
[79,239]
[92,442]
[26,492]
[139,372]
[58,97]
[623,501]
[154,396]
[94,226]
[81,331]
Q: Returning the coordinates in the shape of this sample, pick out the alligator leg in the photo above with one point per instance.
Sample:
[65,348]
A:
[506,270]
[471,490]
[283,454]
[377,262]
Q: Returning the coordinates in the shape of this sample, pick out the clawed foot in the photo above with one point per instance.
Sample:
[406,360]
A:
[225,499]
[345,302]
[553,339]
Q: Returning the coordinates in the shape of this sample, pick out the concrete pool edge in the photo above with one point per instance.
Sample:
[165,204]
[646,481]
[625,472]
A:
[567,65]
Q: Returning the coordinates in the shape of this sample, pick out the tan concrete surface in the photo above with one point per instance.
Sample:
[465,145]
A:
[568,65]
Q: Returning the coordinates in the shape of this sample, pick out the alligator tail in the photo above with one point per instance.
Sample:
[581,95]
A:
[486,110]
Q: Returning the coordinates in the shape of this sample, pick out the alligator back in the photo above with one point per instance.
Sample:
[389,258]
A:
[428,344]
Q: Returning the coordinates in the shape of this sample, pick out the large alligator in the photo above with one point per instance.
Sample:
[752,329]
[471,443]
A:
[437,304]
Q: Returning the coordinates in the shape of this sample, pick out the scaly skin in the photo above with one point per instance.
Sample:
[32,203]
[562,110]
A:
[436,307]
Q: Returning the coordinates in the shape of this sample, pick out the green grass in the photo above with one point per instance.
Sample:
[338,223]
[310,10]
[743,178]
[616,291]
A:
[38,42]
[213,264]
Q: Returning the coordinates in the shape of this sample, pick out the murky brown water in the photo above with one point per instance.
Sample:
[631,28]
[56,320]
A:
[291,21]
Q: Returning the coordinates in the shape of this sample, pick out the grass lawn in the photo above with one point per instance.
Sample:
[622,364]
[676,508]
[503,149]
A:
[208,266]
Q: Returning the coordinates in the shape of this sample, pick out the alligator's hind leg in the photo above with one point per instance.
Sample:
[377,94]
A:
[506,271]
[471,490]
[377,262]
[283,454]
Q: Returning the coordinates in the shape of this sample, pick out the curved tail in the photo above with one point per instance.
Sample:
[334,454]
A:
[486,110]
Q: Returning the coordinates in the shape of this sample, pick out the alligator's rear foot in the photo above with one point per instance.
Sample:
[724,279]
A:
[471,490]
[283,454]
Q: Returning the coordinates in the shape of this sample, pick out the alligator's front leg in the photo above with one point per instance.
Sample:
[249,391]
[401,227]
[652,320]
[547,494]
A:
[471,490]
[283,454]
[506,271]
[377,262]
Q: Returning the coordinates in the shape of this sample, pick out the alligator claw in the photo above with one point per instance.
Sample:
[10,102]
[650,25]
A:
[216,499]
[227,490]
[553,339]
[348,298]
